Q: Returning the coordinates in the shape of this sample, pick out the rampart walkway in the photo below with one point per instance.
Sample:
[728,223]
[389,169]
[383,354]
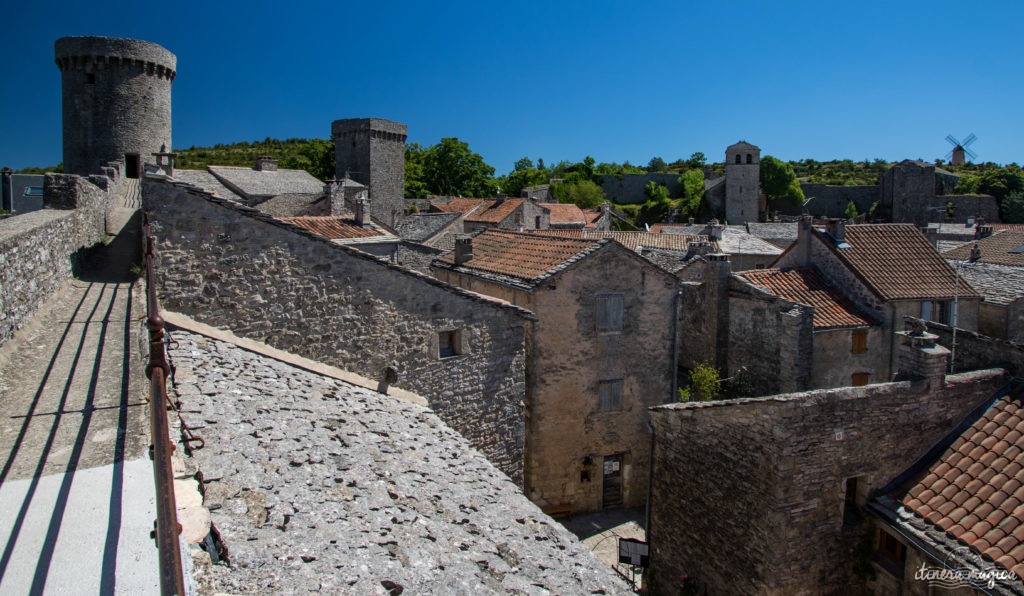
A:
[76,486]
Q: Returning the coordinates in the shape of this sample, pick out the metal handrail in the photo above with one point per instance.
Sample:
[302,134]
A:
[167,527]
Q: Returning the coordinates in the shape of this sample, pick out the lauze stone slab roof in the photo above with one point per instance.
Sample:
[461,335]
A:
[265,183]
[997,249]
[898,263]
[807,285]
[1000,284]
[972,493]
[316,485]
[632,240]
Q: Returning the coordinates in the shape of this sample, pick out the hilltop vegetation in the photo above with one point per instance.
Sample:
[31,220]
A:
[316,156]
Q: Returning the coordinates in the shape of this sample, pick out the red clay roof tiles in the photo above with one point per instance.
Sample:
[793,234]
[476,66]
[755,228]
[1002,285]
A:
[995,249]
[519,255]
[564,214]
[807,285]
[983,511]
[898,263]
[334,227]
[496,211]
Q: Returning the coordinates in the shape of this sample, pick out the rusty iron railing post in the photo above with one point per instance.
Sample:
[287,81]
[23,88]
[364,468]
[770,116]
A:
[172,579]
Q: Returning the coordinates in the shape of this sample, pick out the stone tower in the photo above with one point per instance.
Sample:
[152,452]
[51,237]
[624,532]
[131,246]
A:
[742,183]
[116,101]
[371,151]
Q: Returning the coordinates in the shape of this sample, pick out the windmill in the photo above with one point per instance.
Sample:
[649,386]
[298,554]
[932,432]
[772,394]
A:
[956,156]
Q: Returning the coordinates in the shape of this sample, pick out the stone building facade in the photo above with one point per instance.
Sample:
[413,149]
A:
[742,183]
[371,151]
[774,486]
[116,102]
[599,354]
[232,267]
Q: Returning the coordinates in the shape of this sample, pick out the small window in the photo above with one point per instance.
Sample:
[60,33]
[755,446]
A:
[738,158]
[518,218]
[851,511]
[859,379]
[890,548]
[609,313]
[33,191]
[90,78]
[448,344]
[926,311]
[750,159]
[611,395]
[859,341]
[536,222]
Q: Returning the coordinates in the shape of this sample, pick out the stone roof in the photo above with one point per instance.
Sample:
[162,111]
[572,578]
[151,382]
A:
[317,485]
[774,231]
[999,284]
[897,262]
[969,491]
[419,227]
[526,258]
[336,227]
[806,285]
[997,249]
[742,145]
[294,205]
[566,214]
[207,181]
[495,211]
[266,183]
[709,184]
[734,241]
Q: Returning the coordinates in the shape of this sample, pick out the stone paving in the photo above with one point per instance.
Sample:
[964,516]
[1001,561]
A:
[76,488]
[316,485]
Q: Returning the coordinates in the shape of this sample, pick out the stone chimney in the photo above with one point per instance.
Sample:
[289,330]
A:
[932,234]
[690,221]
[463,250]
[715,230]
[361,209]
[804,233]
[266,163]
[168,167]
[921,358]
[982,230]
[837,229]
[975,253]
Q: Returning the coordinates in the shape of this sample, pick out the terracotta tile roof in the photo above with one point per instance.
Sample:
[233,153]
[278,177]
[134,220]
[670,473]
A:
[994,250]
[806,285]
[973,491]
[460,205]
[519,255]
[333,227]
[658,227]
[495,212]
[631,240]
[898,263]
[592,216]
[565,214]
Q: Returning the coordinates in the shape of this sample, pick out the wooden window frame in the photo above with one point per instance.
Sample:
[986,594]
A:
[859,341]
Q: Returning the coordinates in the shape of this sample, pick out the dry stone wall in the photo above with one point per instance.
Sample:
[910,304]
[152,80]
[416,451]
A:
[747,495]
[229,266]
[42,249]
[976,351]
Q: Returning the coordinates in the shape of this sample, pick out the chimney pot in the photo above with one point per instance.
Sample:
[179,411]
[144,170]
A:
[266,163]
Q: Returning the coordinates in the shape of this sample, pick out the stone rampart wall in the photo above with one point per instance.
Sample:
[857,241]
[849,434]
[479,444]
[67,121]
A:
[975,351]
[42,249]
[629,188]
[232,267]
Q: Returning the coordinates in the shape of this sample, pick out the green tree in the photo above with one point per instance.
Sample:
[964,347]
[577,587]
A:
[778,181]
[851,210]
[657,164]
[524,163]
[704,382]
[697,160]
[415,182]
[585,194]
[450,168]
[692,182]
[1012,207]
[656,192]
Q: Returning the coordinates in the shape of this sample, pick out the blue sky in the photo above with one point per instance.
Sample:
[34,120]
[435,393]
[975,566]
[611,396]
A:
[557,80]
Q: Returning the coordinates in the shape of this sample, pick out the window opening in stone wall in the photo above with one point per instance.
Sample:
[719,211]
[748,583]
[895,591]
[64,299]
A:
[447,345]
[610,394]
[90,78]
[609,313]
[750,159]
[611,485]
[131,165]
[859,379]
[737,158]
[891,552]
[851,513]
[859,341]
[536,223]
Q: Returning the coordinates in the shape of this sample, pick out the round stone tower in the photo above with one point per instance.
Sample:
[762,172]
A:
[116,97]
